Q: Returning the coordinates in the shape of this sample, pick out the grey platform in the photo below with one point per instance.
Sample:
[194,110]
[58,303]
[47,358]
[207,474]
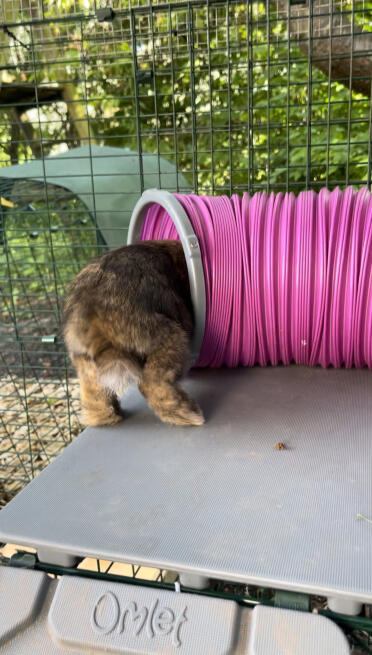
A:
[220,500]
[39,615]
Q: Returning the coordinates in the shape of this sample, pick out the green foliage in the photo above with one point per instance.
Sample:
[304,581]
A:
[219,90]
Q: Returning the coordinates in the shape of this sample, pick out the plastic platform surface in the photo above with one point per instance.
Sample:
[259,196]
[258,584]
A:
[77,615]
[221,500]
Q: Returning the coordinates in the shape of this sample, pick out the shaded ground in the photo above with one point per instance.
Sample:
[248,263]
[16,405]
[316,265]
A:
[33,349]
[37,420]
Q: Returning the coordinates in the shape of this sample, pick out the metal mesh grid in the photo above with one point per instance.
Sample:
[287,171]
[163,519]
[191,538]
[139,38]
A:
[39,401]
[235,95]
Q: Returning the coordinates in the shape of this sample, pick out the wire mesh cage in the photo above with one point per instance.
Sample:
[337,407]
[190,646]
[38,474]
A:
[38,259]
[236,96]
[231,96]
[224,96]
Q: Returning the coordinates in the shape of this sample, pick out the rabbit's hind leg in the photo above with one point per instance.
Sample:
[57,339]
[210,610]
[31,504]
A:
[103,380]
[99,405]
[163,369]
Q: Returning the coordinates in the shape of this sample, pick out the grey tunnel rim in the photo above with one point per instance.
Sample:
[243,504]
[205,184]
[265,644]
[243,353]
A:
[191,249]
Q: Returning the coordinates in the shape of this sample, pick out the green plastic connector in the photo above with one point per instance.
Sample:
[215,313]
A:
[23,560]
[292,601]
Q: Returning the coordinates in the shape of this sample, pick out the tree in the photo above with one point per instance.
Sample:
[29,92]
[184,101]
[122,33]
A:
[285,120]
[333,40]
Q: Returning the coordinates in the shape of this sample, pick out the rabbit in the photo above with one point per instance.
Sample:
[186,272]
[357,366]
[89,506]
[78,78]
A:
[128,320]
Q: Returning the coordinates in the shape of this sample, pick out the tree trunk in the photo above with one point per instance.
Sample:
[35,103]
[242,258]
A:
[334,44]
[77,113]
[14,140]
[28,133]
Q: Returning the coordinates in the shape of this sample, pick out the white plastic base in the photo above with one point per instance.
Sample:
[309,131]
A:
[222,501]
[76,615]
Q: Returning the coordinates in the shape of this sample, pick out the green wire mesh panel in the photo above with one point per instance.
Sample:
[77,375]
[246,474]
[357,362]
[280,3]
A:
[43,246]
[233,95]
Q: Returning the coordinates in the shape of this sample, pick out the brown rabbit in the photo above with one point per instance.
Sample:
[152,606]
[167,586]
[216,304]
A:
[128,319]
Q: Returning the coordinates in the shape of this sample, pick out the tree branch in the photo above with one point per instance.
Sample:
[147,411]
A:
[337,47]
[26,95]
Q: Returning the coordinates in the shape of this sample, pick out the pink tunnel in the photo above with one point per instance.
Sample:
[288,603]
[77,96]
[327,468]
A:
[286,279]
